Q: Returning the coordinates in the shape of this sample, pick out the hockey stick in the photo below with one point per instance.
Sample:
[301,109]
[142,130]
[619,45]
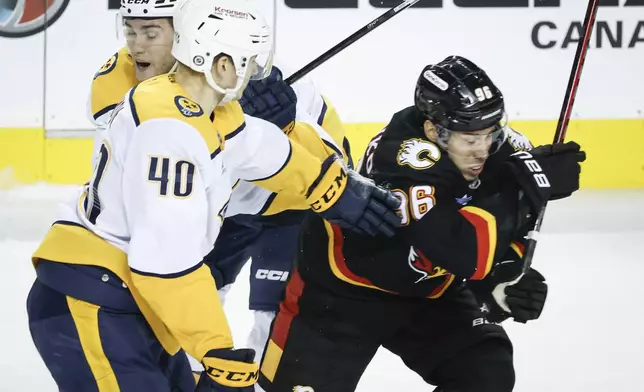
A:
[564,116]
[349,40]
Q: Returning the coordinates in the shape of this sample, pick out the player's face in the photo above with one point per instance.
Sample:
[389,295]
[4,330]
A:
[470,150]
[149,42]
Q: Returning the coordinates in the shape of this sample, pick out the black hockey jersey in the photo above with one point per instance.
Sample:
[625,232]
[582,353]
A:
[452,229]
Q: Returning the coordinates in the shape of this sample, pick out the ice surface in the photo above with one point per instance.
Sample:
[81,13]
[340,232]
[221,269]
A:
[589,338]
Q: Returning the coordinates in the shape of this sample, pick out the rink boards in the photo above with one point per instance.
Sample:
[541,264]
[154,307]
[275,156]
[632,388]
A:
[615,151]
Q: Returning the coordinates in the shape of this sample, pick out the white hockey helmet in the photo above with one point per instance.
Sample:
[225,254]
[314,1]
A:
[203,29]
[151,9]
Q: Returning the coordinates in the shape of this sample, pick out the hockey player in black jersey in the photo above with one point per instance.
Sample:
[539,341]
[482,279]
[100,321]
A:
[469,192]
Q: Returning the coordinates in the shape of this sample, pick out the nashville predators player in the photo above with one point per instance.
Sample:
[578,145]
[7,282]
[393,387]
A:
[270,239]
[120,277]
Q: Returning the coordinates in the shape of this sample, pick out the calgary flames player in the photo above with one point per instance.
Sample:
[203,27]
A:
[468,192]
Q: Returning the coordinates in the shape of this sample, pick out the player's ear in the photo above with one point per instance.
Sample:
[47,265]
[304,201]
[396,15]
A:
[430,131]
[219,66]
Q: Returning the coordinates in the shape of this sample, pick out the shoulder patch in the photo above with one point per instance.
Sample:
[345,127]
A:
[162,98]
[419,154]
[518,141]
[188,107]
[108,66]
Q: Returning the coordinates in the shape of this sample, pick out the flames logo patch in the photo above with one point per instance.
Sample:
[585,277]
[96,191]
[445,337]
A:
[419,263]
[418,154]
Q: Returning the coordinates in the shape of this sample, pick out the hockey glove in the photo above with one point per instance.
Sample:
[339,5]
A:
[271,99]
[362,206]
[505,292]
[547,172]
[229,370]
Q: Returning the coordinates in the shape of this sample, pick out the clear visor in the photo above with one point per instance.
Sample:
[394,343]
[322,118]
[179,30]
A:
[479,143]
[141,37]
[260,66]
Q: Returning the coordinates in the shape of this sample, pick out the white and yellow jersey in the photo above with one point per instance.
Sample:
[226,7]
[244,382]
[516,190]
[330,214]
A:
[318,129]
[153,207]
[110,83]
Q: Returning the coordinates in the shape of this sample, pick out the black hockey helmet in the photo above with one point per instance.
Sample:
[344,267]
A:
[458,95]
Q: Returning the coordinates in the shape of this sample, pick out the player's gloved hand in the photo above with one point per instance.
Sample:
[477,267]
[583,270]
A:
[507,292]
[526,298]
[271,99]
[361,206]
[547,172]
[229,370]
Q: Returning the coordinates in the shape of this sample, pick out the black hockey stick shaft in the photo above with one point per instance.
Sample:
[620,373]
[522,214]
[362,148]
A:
[349,40]
[564,116]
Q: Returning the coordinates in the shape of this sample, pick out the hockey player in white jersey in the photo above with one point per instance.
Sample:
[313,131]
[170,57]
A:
[120,279]
[269,239]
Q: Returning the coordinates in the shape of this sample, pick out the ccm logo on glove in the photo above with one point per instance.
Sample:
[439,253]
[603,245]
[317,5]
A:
[534,167]
[329,195]
[245,377]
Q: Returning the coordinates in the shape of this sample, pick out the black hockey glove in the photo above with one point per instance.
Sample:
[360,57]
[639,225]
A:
[228,370]
[364,207]
[547,172]
[271,99]
[505,292]
[527,297]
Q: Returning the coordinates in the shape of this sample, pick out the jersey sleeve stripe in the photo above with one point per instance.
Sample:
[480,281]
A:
[214,154]
[440,290]
[485,225]
[103,111]
[168,276]
[333,147]
[286,161]
[337,260]
[236,131]
[347,151]
[135,116]
[518,247]
[322,113]
[267,204]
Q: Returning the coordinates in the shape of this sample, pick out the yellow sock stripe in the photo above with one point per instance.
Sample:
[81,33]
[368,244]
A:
[85,317]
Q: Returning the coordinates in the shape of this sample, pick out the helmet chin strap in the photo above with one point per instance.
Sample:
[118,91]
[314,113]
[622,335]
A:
[229,94]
